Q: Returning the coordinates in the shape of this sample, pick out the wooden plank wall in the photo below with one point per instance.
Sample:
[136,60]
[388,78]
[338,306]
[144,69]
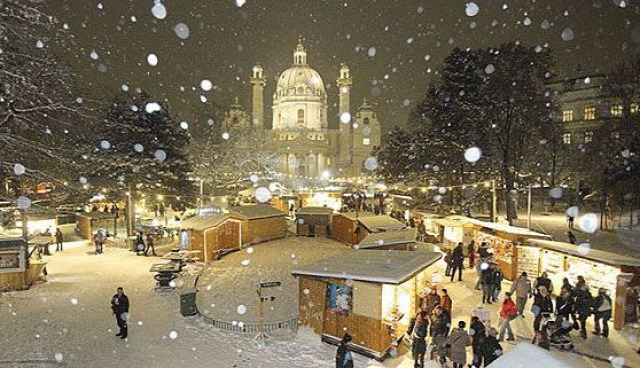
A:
[343,229]
[366,331]
[261,230]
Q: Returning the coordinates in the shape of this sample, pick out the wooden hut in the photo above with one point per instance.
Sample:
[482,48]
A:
[260,222]
[619,274]
[403,239]
[312,221]
[371,295]
[213,235]
[353,227]
[16,272]
[87,223]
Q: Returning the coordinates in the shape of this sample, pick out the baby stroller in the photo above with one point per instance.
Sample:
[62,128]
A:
[559,330]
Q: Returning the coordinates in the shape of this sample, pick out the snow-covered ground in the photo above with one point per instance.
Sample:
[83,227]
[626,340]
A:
[69,319]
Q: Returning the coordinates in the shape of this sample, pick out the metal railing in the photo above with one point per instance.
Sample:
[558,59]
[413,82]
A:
[253,328]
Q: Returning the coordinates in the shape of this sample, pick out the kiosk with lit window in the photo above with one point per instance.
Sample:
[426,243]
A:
[371,295]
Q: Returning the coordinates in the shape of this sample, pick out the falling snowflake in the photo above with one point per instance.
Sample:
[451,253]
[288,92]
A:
[471,9]
[589,223]
[152,59]
[371,163]
[241,309]
[473,154]
[206,85]
[263,194]
[160,155]
[173,335]
[24,202]
[18,169]
[567,34]
[345,117]
[556,193]
[158,10]
[181,30]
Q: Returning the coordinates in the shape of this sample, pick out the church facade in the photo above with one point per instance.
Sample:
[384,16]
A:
[300,136]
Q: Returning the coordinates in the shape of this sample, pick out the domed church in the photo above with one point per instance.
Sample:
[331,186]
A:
[300,135]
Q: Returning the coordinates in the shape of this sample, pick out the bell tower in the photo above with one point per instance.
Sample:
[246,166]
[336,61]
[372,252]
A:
[258,81]
[345,139]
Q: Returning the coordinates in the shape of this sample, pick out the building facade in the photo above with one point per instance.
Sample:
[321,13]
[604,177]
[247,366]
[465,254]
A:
[305,145]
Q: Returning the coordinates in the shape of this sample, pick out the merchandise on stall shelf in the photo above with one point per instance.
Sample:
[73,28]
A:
[529,260]
[553,265]
[502,249]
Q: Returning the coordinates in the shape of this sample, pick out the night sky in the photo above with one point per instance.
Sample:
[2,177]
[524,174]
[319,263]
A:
[410,38]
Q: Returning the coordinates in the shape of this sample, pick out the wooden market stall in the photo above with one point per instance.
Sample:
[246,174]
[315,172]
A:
[503,241]
[16,272]
[213,235]
[283,202]
[353,227]
[311,221]
[619,274]
[371,295]
[260,222]
[403,239]
[453,230]
[87,223]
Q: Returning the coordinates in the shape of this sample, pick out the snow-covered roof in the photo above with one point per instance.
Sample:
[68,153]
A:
[201,222]
[314,211]
[379,266]
[523,354]
[509,229]
[592,254]
[402,236]
[256,211]
[380,223]
[453,221]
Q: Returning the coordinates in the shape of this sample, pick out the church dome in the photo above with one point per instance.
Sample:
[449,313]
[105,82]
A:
[300,79]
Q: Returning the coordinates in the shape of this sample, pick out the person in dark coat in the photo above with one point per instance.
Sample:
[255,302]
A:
[59,240]
[497,281]
[457,257]
[139,243]
[566,285]
[439,331]
[565,307]
[120,306]
[344,359]
[430,300]
[542,304]
[543,280]
[447,260]
[584,301]
[150,245]
[478,334]
[471,251]
[491,348]
[483,251]
[602,313]
[418,328]
[572,238]
[488,284]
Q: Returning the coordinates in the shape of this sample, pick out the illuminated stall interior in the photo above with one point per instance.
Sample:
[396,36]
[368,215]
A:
[617,273]
[378,294]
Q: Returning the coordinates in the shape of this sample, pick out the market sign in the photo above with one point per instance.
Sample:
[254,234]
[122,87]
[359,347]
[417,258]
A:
[270,284]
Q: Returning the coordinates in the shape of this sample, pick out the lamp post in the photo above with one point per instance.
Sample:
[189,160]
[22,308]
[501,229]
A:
[528,175]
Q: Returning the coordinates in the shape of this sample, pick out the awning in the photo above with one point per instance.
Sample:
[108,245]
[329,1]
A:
[592,254]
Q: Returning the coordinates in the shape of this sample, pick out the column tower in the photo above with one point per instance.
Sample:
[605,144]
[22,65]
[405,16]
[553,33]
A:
[345,139]
[258,81]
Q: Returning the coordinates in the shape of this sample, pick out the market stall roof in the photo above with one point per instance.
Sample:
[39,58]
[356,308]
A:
[503,228]
[592,254]
[373,222]
[314,211]
[375,240]
[524,353]
[256,211]
[379,266]
[453,221]
[96,215]
[201,222]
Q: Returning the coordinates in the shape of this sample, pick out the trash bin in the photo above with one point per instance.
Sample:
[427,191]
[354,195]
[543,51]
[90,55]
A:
[188,302]
[132,243]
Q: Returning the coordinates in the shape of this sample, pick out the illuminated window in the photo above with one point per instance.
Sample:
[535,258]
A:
[566,138]
[590,113]
[634,108]
[567,116]
[301,117]
[616,110]
[588,137]
[366,141]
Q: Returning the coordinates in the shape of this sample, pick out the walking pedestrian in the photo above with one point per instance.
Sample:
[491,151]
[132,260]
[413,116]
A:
[139,243]
[491,348]
[542,304]
[479,269]
[120,307]
[418,329]
[430,300]
[446,302]
[150,245]
[566,285]
[59,240]
[488,283]
[471,251]
[508,311]
[457,257]
[458,342]
[584,301]
[572,238]
[49,237]
[344,359]
[522,289]
[497,281]
[439,330]
[478,334]
[565,306]
[570,221]
[447,260]
[422,231]
[543,280]
[602,313]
